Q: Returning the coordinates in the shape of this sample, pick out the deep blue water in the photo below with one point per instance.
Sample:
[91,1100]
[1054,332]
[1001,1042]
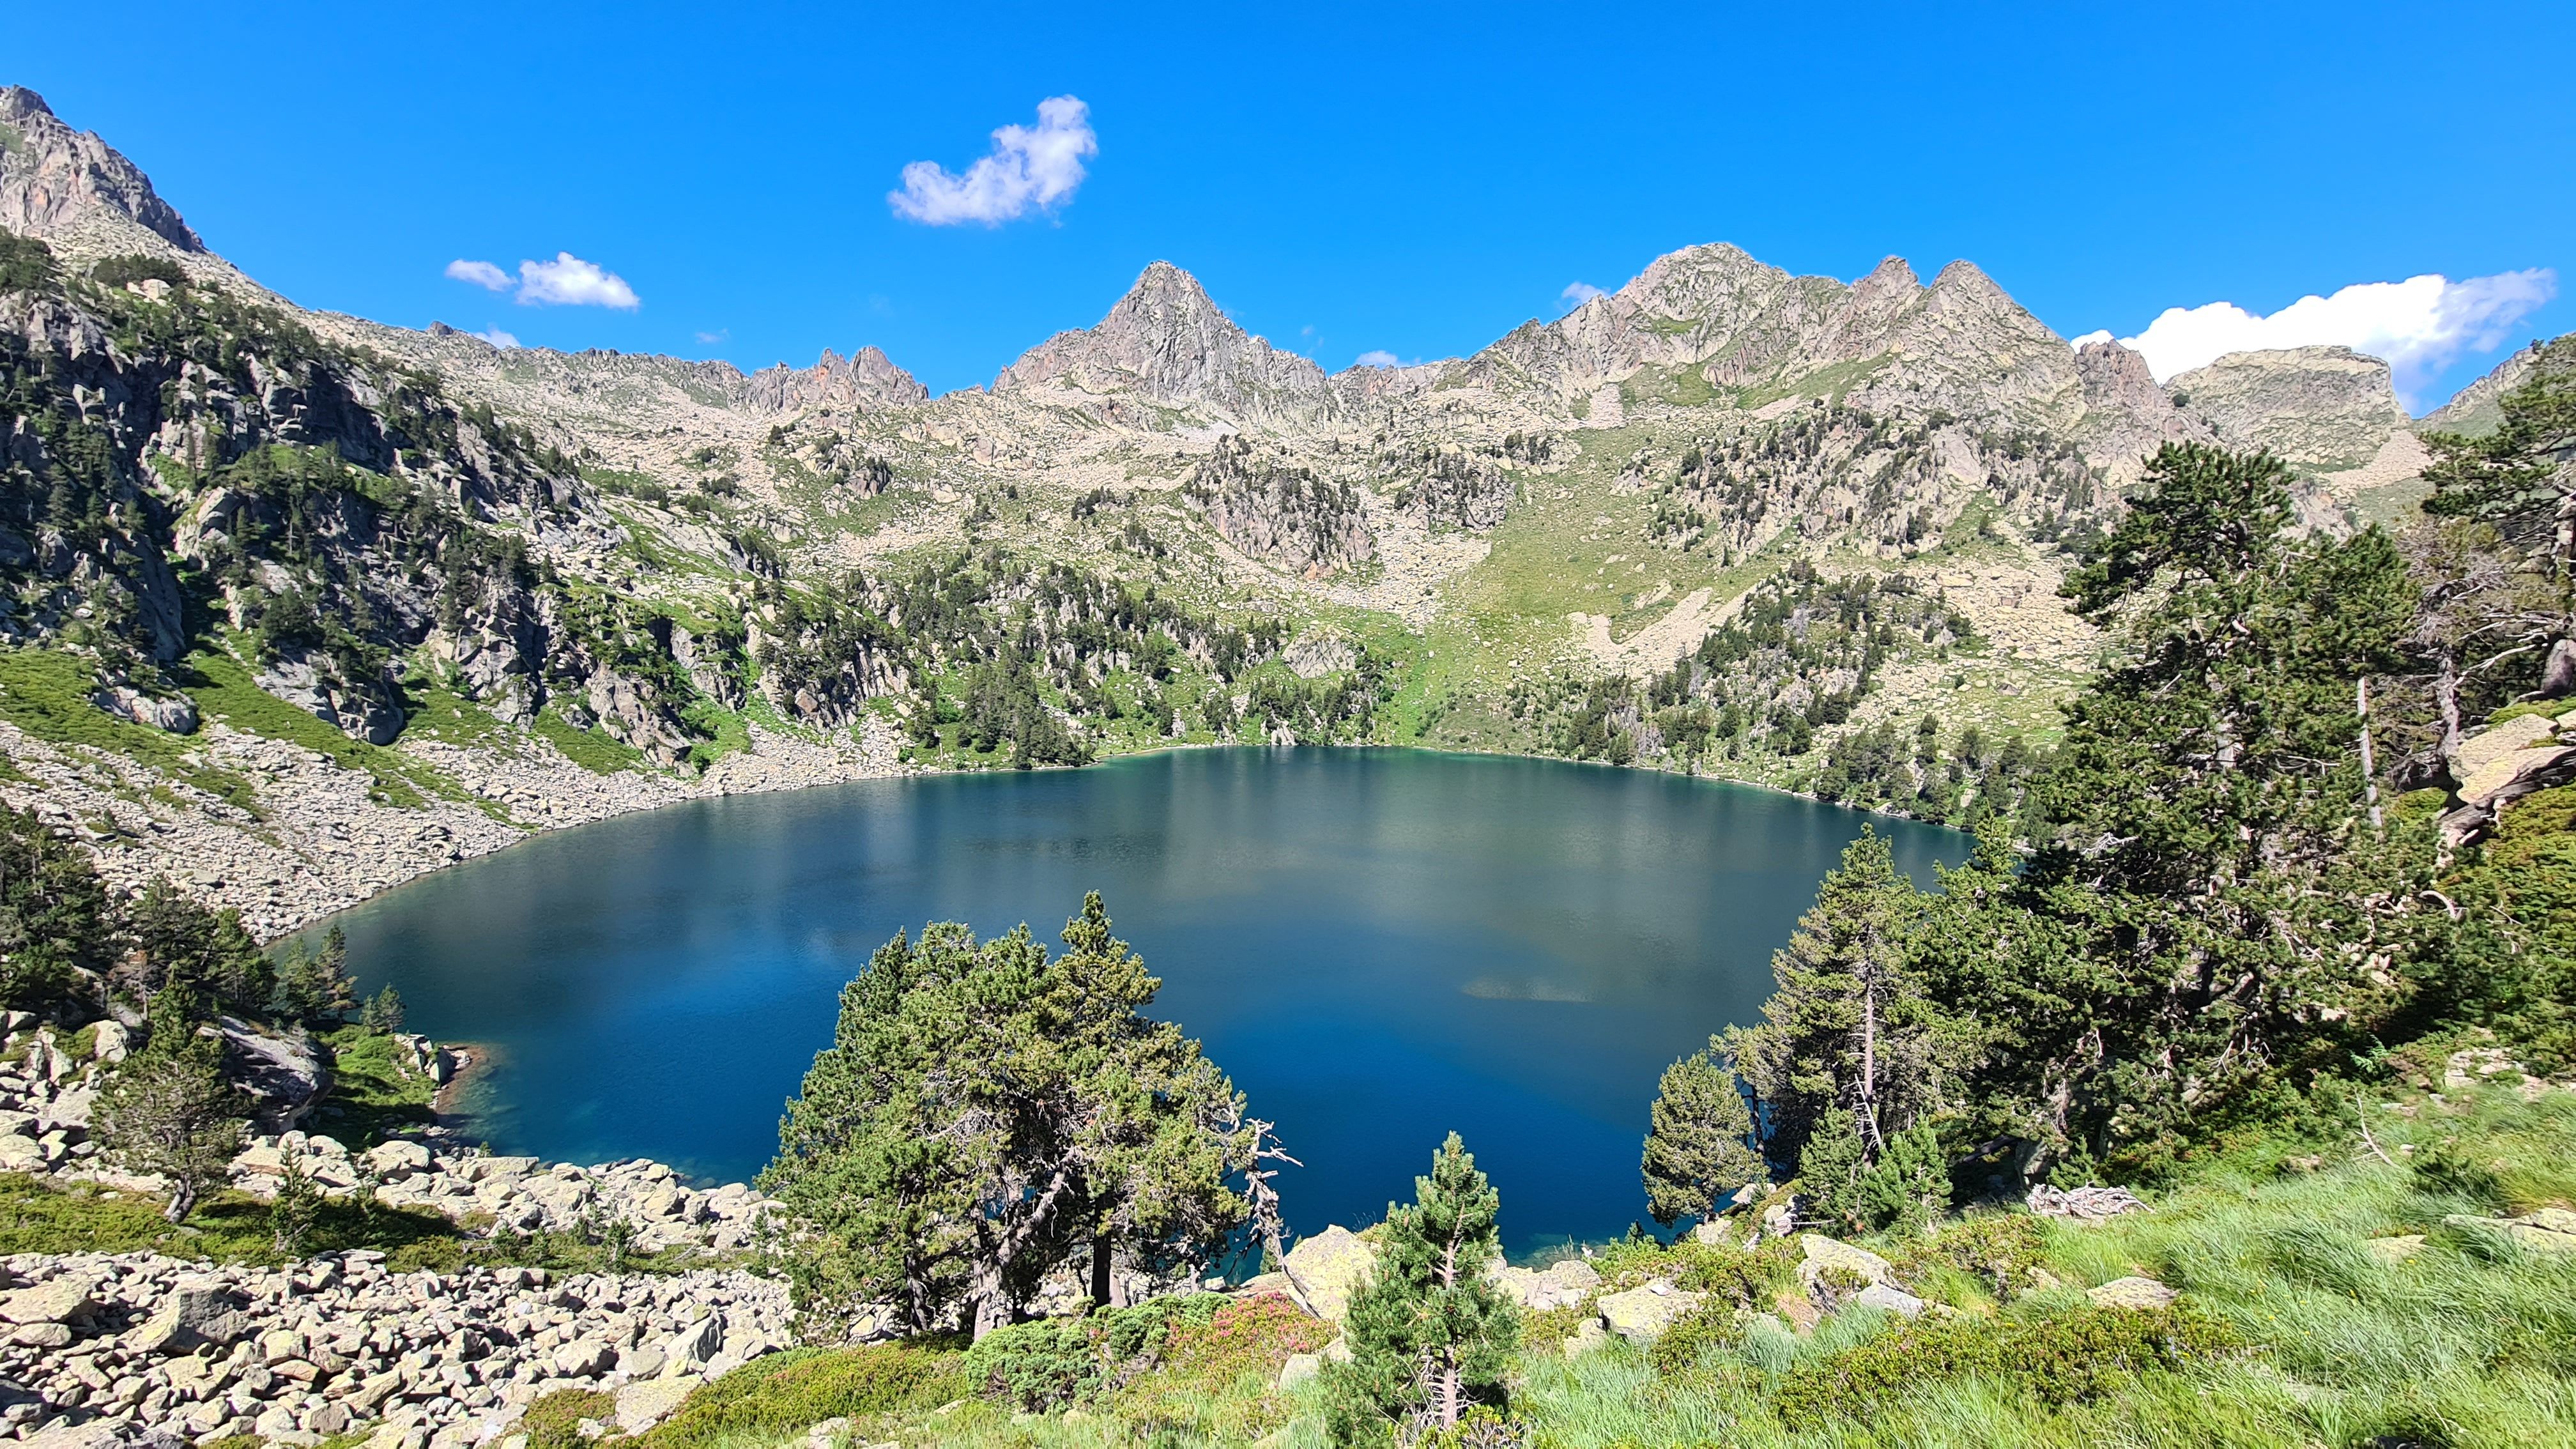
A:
[1379,945]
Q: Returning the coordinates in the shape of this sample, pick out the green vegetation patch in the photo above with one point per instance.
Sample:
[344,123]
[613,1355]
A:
[786,1392]
[2063,1358]
[228,1227]
[46,693]
[589,749]
[226,691]
[372,1092]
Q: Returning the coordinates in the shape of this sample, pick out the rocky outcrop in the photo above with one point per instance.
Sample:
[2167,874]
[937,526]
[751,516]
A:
[1167,341]
[2503,763]
[2478,409]
[2318,409]
[52,175]
[865,380]
[1276,511]
[132,1345]
[1647,1312]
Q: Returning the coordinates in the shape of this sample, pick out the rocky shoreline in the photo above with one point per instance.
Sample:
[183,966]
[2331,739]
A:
[100,1350]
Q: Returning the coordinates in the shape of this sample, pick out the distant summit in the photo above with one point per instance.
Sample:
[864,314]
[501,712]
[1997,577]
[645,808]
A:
[1168,340]
[54,179]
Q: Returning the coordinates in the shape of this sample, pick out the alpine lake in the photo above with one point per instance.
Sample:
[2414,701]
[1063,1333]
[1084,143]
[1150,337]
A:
[1379,946]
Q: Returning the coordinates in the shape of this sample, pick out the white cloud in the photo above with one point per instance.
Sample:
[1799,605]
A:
[1037,168]
[2420,325]
[712,338]
[1379,358]
[1576,294]
[496,337]
[482,274]
[568,281]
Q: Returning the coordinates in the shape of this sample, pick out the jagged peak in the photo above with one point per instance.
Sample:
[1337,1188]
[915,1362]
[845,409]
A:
[1167,337]
[866,378]
[53,178]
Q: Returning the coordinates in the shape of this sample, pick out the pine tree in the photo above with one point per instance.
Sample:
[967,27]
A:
[1850,1027]
[294,1212]
[985,1112]
[1699,1146]
[384,1012]
[169,1111]
[1429,1334]
[1909,1186]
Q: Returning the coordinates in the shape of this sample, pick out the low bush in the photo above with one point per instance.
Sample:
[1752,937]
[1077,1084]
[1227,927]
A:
[789,1391]
[2062,1358]
[1050,1362]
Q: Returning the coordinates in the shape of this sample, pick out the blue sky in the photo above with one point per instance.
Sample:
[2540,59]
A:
[1345,179]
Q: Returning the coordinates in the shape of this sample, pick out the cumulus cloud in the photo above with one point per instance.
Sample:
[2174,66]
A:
[1380,358]
[1031,167]
[712,338]
[2420,325]
[567,281]
[482,274]
[496,337]
[1576,294]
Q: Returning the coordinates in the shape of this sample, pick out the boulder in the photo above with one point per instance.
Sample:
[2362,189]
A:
[2133,1293]
[584,1358]
[647,1402]
[1645,1313]
[1889,1297]
[198,1312]
[2550,1230]
[1587,1336]
[1825,1254]
[110,1041]
[693,1347]
[2085,1205]
[2395,1249]
[59,1300]
[1329,1267]
[1560,1285]
[1300,1368]
[397,1157]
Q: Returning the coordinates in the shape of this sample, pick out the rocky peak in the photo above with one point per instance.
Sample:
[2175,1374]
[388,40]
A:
[2319,409]
[53,178]
[2478,409]
[868,379]
[1167,339]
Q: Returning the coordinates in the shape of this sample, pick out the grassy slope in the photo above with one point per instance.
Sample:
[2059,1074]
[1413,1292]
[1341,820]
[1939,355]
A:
[2308,1337]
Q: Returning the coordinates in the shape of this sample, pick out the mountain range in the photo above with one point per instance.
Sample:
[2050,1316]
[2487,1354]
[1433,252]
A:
[302,604]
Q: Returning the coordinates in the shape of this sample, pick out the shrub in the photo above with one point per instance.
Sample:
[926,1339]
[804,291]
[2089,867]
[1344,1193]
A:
[2066,1358]
[1712,1325]
[118,271]
[1998,1249]
[1742,1279]
[554,1422]
[26,264]
[1053,1361]
[789,1391]
[1251,1335]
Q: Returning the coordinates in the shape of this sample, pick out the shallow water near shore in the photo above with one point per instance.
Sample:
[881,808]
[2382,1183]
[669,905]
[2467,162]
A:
[1379,945]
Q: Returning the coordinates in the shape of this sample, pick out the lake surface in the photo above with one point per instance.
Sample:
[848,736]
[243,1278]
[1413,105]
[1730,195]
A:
[1379,945]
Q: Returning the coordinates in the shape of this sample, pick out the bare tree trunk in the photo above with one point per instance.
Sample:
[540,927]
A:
[1869,1060]
[2369,762]
[2446,699]
[183,1198]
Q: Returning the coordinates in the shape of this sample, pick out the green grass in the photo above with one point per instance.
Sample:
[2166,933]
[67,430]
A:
[589,749]
[2289,1332]
[46,693]
[372,1093]
[229,1227]
[226,691]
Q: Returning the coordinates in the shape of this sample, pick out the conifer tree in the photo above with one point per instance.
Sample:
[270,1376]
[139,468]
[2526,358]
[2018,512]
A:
[383,1012]
[984,1112]
[1430,1336]
[295,1210]
[168,1109]
[1699,1147]
[1850,1028]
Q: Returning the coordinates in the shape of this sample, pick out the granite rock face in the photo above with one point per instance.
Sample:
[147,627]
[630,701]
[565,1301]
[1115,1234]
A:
[51,174]
[1166,340]
[2318,409]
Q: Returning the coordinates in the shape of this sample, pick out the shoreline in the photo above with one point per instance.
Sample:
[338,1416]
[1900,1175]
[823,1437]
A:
[911,770]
